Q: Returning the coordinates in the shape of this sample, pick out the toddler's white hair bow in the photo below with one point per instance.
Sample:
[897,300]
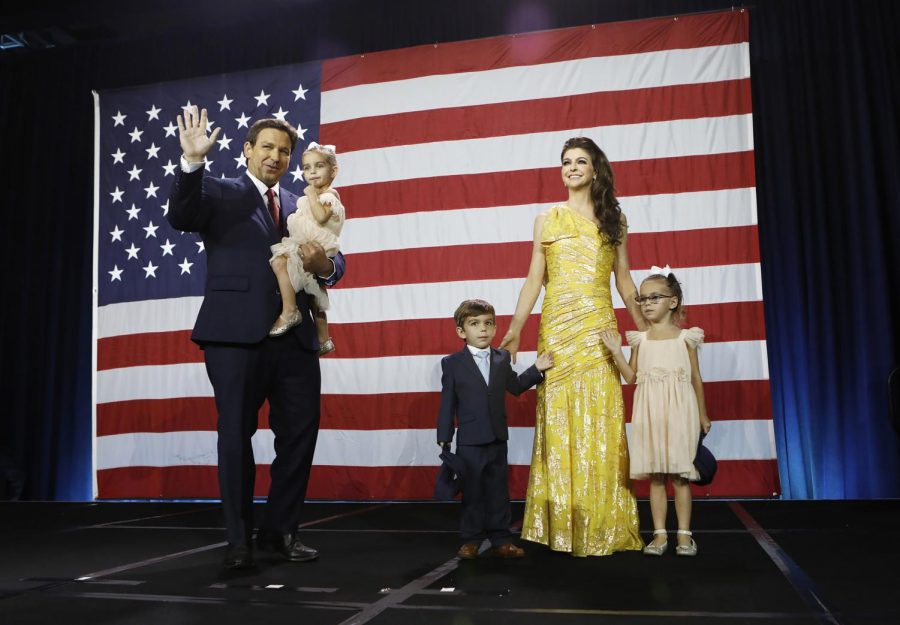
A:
[317,147]
[664,271]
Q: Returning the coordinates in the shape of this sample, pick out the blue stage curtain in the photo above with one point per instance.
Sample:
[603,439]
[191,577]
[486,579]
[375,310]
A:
[827,133]
[827,141]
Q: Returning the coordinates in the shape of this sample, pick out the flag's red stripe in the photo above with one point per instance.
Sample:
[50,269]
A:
[734,478]
[732,321]
[543,115]
[494,261]
[150,348]
[691,31]
[708,172]
[725,401]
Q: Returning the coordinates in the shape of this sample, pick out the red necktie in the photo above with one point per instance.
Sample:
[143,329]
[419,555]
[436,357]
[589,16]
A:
[273,207]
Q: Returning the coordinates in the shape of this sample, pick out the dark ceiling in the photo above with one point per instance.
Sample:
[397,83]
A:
[43,24]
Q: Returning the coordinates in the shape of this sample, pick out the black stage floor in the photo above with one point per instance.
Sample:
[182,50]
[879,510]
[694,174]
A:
[764,562]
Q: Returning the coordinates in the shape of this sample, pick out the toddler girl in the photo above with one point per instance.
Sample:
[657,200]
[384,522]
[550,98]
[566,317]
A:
[319,218]
[669,407]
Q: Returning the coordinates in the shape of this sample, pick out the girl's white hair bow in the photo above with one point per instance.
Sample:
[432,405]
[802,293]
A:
[664,271]
[317,147]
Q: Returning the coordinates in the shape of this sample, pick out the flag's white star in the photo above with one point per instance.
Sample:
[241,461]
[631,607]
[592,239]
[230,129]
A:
[167,248]
[241,161]
[297,173]
[151,190]
[116,195]
[116,234]
[207,163]
[200,247]
[301,131]
[262,98]
[299,92]
[150,269]
[118,156]
[134,173]
[225,103]
[132,252]
[209,125]
[135,134]
[133,212]
[165,208]
[150,230]
[242,120]
[169,168]
[119,119]
[187,107]
[170,129]
[116,274]
[153,113]
[152,151]
[281,114]
[186,267]
[224,143]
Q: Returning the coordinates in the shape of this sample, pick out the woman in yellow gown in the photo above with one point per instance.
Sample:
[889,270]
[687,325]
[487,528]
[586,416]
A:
[579,494]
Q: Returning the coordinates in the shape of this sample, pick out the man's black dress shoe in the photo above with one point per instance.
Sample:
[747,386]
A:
[288,546]
[238,557]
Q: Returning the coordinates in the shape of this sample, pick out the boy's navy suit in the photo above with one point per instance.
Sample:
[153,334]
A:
[479,409]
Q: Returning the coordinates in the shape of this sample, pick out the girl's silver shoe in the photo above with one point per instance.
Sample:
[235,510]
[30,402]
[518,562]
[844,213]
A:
[656,550]
[686,550]
[292,319]
[327,347]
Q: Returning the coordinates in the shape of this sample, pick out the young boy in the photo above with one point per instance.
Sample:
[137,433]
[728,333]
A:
[474,381]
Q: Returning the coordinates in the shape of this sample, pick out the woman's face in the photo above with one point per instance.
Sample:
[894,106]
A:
[577,169]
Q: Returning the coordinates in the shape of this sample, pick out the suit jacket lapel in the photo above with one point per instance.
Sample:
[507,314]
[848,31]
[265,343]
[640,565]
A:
[261,216]
[496,359]
[471,365]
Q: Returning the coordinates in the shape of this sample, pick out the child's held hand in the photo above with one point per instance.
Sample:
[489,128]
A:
[544,361]
[612,339]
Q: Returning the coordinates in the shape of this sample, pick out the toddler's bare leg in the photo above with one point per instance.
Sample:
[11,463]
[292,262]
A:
[289,312]
[327,345]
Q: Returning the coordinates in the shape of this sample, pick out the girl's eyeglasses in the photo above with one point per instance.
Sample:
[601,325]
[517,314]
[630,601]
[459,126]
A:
[650,299]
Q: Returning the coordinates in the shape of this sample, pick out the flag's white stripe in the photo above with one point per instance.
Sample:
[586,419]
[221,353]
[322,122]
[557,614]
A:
[531,82]
[726,361]
[666,212]
[702,285]
[155,315]
[728,440]
[668,139]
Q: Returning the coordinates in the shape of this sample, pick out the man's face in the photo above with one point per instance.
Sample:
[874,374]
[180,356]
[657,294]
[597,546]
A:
[268,159]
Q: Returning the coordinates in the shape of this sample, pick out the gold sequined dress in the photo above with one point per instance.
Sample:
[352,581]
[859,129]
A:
[579,494]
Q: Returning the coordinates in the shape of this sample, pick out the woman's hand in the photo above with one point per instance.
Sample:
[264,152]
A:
[705,423]
[510,343]
[612,339]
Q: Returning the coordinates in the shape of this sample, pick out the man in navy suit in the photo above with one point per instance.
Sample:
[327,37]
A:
[238,220]
[474,383]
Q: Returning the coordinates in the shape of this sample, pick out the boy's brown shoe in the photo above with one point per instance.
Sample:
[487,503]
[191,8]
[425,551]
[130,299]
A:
[469,551]
[509,550]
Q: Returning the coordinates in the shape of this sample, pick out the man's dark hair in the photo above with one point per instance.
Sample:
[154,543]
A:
[277,124]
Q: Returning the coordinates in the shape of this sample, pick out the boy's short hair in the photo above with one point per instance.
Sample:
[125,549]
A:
[472,308]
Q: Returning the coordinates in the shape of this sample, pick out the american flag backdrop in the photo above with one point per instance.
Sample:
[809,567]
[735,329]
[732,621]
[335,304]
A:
[447,152]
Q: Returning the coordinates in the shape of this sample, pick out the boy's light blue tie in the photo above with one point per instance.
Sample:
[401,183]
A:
[481,359]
